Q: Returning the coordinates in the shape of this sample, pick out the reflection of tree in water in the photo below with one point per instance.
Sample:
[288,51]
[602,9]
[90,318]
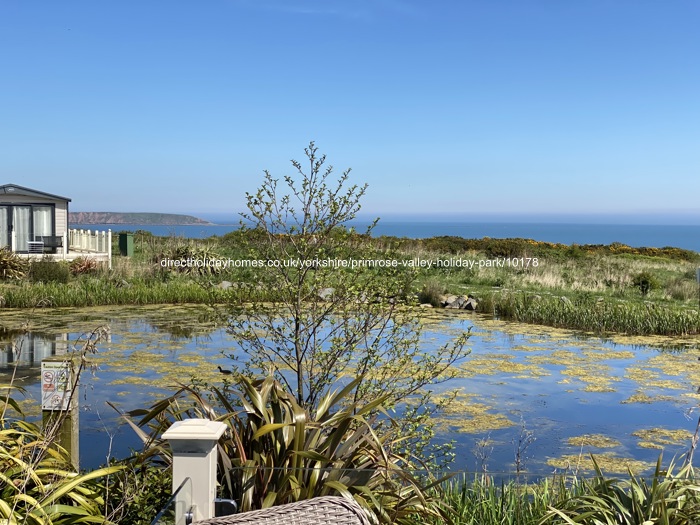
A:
[186,328]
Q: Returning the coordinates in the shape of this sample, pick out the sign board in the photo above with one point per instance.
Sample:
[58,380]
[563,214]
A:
[56,385]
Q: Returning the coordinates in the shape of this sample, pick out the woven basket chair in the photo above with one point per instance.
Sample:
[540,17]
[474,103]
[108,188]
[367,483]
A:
[324,510]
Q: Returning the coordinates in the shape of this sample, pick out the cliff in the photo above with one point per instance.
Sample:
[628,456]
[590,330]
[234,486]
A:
[108,217]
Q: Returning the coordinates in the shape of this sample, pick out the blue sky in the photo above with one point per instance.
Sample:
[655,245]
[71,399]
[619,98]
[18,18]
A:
[489,108]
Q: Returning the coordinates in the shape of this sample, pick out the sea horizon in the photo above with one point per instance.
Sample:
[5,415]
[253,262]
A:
[685,236]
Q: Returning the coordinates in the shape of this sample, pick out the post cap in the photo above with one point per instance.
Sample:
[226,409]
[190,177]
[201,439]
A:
[195,429]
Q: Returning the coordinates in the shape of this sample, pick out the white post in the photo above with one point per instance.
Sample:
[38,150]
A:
[65,242]
[13,240]
[109,247]
[193,442]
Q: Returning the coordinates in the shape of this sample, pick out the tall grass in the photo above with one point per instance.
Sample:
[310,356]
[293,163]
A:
[482,501]
[594,314]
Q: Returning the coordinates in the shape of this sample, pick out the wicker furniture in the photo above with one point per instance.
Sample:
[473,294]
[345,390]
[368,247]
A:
[325,510]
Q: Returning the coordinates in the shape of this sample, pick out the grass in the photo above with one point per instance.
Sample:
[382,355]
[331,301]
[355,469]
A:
[605,289]
[666,497]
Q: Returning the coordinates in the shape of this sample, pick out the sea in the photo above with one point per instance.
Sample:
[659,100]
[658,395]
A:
[637,235]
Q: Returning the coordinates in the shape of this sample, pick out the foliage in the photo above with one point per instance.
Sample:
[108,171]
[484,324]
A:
[49,271]
[430,293]
[38,483]
[590,313]
[12,266]
[138,492]
[646,282]
[276,451]
[82,265]
[668,498]
[191,259]
[486,501]
[327,320]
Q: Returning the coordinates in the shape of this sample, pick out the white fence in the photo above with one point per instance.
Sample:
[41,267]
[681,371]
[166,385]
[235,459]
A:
[90,241]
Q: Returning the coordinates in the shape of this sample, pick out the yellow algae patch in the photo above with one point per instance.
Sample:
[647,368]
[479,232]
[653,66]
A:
[530,348]
[593,440]
[595,377]
[685,365]
[607,462]
[660,437]
[464,415]
[492,364]
[601,355]
[641,397]
[658,341]
[559,357]
[649,378]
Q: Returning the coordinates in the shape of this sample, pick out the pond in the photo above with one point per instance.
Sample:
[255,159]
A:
[550,397]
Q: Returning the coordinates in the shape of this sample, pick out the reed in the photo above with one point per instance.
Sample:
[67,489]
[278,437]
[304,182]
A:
[595,314]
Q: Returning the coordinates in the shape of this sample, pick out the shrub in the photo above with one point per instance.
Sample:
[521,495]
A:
[430,293]
[194,260]
[12,266]
[83,265]
[645,281]
[277,452]
[136,494]
[48,271]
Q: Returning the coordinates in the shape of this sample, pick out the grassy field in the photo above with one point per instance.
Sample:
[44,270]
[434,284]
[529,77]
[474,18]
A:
[595,288]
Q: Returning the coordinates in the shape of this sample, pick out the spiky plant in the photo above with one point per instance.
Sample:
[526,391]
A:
[277,452]
[667,498]
[12,266]
[83,265]
[38,483]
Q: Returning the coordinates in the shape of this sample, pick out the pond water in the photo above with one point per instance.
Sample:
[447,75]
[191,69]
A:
[560,394]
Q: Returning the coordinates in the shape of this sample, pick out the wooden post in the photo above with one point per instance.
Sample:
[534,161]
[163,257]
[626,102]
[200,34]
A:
[59,404]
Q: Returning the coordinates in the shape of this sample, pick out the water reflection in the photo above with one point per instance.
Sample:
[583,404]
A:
[561,385]
[29,349]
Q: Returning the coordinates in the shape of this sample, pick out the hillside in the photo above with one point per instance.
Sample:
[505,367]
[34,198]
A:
[108,217]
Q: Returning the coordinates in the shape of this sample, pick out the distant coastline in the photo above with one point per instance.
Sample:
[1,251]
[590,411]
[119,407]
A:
[657,236]
[153,219]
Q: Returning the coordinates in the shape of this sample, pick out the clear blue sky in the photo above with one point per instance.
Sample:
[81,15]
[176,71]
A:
[488,107]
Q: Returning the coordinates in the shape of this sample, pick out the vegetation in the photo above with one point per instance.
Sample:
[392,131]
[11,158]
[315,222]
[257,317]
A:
[48,271]
[666,498]
[341,350]
[646,290]
[38,483]
[12,266]
[278,452]
[326,323]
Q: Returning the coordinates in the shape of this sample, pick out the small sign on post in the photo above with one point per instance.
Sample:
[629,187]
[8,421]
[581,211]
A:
[60,413]
[56,385]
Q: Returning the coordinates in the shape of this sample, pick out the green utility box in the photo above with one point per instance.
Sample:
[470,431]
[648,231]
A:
[126,244]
